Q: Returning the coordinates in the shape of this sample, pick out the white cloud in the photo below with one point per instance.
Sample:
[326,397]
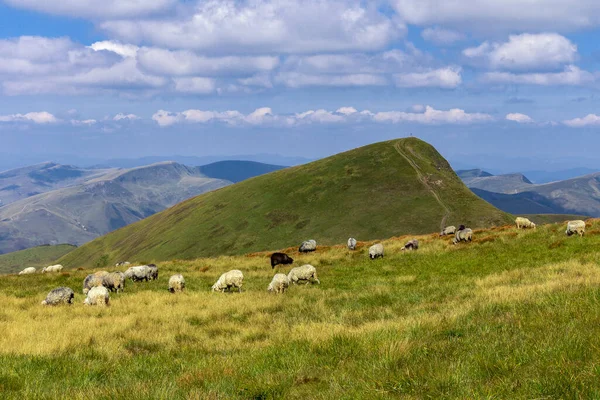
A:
[93,9]
[265,116]
[166,62]
[85,122]
[433,116]
[441,36]
[571,76]
[260,80]
[42,117]
[295,80]
[124,50]
[501,16]
[125,117]
[197,85]
[520,118]
[447,78]
[525,51]
[286,26]
[588,120]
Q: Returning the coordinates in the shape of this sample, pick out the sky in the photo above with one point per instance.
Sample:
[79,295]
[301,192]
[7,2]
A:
[506,85]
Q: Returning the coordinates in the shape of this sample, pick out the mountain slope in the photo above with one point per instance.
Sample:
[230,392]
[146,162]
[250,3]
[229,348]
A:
[508,183]
[21,183]
[83,212]
[382,190]
[38,257]
[237,171]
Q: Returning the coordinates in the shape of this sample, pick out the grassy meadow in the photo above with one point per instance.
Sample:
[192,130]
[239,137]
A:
[514,314]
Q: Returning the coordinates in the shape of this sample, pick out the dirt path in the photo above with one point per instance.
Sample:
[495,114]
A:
[424,182]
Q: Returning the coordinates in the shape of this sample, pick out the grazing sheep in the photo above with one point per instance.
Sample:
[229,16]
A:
[351,244]
[122,264]
[376,251]
[308,246]
[61,295]
[176,283]
[152,272]
[279,283]
[115,281]
[463,235]
[139,273]
[577,226]
[411,245]
[280,258]
[303,273]
[27,271]
[233,278]
[52,268]
[449,230]
[91,281]
[524,223]
[97,296]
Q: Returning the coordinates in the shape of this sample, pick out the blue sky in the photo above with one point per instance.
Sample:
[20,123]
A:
[503,84]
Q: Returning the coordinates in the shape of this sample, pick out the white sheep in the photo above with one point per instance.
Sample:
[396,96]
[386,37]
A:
[463,235]
[97,296]
[176,283]
[27,271]
[376,251]
[303,273]
[351,244]
[52,268]
[449,230]
[308,246]
[524,223]
[61,295]
[577,226]
[279,283]
[139,273]
[233,278]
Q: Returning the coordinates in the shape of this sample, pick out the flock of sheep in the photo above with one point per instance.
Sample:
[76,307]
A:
[98,286]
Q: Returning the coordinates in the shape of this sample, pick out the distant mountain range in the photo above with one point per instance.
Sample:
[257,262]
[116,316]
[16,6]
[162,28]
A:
[51,203]
[516,194]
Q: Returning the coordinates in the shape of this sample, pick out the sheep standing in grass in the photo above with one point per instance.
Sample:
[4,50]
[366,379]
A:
[411,245]
[524,223]
[52,268]
[351,244]
[577,227]
[122,264]
[233,278]
[61,295]
[304,273]
[27,271]
[176,283]
[376,251]
[139,273]
[115,281]
[152,272]
[279,283]
[97,296]
[308,246]
[449,230]
[91,281]
[463,235]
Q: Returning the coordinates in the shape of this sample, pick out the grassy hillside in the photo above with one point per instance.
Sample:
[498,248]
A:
[540,219]
[382,190]
[37,257]
[512,315]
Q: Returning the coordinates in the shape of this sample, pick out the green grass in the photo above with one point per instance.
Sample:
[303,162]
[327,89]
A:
[514,314]
[37,257]
[368,193]
[552,218]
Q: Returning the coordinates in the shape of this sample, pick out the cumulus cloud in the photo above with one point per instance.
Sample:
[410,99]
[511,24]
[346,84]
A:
[525,51]
[93,9]
[286,26]
[520,118]
[296,80]
[447,78]
[42,117]
[588,120]
[441,36]
[179,63]
[197,85]
[571,76]
[265,115]
[505,15]
[124,50]
[125,117]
